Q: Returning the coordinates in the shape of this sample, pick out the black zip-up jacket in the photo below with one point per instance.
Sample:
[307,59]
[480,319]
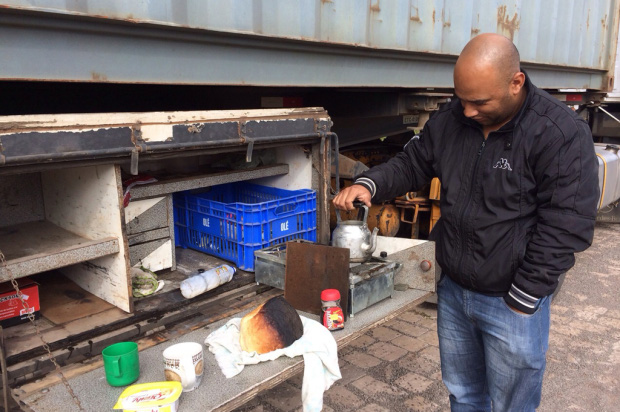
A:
[514,207]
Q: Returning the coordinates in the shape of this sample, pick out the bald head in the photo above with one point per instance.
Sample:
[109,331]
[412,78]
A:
[488,80]
[490,52]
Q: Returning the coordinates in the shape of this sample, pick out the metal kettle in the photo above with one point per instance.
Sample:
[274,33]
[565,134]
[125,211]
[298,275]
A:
[355,235]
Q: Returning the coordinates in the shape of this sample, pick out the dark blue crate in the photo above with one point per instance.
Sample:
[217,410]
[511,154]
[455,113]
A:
[232,221]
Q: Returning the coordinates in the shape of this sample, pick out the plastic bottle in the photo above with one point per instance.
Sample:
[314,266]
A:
[206,280]
[333,317]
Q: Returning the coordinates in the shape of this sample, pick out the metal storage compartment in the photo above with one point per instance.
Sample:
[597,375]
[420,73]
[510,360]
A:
[63,219]
[608,174]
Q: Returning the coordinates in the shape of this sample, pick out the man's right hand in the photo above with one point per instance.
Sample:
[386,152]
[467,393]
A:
[345,198]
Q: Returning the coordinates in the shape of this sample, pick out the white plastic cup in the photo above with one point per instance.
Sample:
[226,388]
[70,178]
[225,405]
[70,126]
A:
[184,362]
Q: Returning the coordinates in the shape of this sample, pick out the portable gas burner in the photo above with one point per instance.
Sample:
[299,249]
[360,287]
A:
[370,282]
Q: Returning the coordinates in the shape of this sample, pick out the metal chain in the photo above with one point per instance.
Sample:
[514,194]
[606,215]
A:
[30,314]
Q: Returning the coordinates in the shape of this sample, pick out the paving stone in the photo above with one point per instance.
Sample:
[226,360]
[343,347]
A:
[420,404]
[373,408]
[557,319]
[373,387]
[297,380]
[413,382]
[431,352]
[613,313]
[579,296]
[391,371]
[350,373]
[386,351]
[346,350]
[407,328]
[419,364]
[556,308]
[565,329]
[589,312]
[426,309]
[383,334]
[342,399]
[428,323]
[285,397]
[430,337]
[409,343]
[609,322]
[437,376]
[362,360]
[438,393]
[587,326]
[592,348]
[410,316]
[254,405]
[391,322]
[363,341]
[614,356]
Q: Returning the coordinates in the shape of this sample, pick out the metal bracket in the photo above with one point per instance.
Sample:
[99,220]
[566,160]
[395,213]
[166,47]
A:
[134,161]
[248,140]
[248,154]
[140,146]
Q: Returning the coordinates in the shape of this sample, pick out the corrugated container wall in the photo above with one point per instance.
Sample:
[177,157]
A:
[402,43]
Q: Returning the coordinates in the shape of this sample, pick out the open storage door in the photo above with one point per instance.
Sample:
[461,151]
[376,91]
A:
[90,196]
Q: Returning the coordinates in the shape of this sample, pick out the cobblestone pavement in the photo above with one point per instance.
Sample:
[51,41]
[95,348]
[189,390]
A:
[395,366]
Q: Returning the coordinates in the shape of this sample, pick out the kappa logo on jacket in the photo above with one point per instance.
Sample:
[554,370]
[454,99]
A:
[502,164]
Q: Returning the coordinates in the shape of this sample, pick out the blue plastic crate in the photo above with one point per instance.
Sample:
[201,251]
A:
[234,220]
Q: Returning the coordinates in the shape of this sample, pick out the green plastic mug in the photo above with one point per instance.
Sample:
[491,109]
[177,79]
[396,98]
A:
[120,362]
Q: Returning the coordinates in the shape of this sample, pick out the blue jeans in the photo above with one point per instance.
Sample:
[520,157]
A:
[492,358]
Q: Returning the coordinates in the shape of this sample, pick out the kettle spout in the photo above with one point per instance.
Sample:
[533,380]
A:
[370,248]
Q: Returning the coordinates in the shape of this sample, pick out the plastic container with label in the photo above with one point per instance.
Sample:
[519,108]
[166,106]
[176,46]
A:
[151,397]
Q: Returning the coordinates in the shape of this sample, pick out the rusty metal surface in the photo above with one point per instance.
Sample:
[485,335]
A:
[43,139]
[564,44]
[310,269]
[548,32]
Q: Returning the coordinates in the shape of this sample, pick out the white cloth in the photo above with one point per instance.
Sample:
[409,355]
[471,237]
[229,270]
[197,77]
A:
[317,345]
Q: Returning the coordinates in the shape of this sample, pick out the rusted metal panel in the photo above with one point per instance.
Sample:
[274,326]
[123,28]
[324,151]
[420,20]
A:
[42,139]
[380,42]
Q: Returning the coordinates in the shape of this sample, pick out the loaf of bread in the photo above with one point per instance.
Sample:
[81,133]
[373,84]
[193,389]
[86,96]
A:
[273,325]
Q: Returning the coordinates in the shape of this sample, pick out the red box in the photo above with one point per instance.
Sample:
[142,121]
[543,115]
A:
[12,310]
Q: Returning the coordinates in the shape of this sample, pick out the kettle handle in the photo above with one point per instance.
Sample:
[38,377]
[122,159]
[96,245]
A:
[362,215]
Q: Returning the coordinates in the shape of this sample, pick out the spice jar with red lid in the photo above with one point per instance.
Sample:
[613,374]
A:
[333,316]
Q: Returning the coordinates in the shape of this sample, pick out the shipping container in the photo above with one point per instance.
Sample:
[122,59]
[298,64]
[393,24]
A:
[337,43]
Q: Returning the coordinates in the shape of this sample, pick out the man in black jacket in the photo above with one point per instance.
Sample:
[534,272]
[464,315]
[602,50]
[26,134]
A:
[519,189]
